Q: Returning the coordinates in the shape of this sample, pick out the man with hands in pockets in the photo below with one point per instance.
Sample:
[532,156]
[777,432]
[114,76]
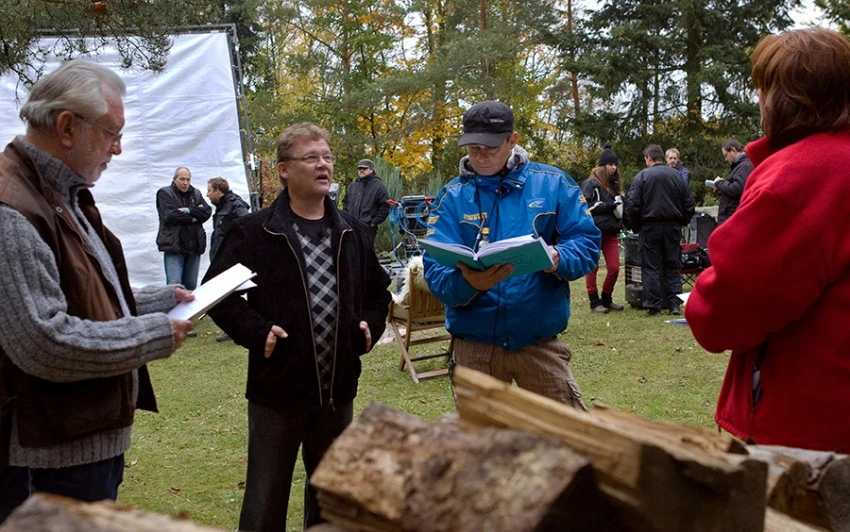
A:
[321,298]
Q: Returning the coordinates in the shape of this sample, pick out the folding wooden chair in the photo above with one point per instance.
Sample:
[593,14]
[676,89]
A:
[422,312]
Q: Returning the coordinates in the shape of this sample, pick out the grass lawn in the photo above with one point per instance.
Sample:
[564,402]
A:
[189,459]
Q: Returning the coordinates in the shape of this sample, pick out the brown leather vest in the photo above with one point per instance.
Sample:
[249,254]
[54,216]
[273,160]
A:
[51,413]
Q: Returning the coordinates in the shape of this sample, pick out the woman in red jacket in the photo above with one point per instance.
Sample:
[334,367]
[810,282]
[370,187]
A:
[778,292]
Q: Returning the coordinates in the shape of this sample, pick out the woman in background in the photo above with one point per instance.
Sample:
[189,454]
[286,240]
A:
[604,194]
[778,292]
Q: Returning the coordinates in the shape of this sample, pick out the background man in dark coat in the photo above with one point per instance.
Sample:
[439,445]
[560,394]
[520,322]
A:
[731,187]
[366,197]
[321,299]
[659,204]
[228,207]
[182,213]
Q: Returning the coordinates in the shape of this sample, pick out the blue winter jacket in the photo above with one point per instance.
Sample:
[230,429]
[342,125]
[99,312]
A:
[531,198]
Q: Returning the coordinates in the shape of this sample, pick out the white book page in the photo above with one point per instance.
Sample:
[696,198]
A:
[213,291]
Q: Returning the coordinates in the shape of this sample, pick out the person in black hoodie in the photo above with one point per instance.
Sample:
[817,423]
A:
[366,197]
[604,194]
[320,301]
[182,213]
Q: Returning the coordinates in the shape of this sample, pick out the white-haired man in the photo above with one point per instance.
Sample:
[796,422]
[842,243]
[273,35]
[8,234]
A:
[74,337]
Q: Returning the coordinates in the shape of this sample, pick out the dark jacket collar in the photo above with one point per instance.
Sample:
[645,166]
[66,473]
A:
[179,192]
[282,217]
[366,178]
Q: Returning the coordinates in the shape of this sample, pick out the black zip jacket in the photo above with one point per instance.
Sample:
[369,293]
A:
[603,215]
[732,187]
[659,196]
[265,242]
[366,199]
[229,208]
[181,232]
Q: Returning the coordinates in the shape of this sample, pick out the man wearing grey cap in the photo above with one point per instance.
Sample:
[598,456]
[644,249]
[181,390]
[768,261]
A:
[366,197]
[508,326]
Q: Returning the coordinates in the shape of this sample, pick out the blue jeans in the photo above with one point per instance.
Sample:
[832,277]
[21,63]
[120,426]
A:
[182,268]
[87,482]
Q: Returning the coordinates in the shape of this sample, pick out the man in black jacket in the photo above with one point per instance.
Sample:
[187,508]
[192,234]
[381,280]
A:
[182,213]
[731,188]
[321,299]
[658,205]
[228,207]
[366,197]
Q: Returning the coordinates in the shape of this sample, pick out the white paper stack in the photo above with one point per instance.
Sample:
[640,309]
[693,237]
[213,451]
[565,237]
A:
[213,291]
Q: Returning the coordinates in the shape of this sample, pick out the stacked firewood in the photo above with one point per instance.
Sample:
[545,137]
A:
[512,461]
[515,461]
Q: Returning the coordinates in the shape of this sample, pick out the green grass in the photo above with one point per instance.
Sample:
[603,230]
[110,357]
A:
[189,459]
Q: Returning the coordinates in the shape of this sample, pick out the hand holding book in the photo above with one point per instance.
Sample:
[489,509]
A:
[526,254]
[212,292]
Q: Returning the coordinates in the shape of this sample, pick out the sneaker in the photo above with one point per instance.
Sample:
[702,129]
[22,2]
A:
[599,309]
[615,307]
[192,334]
[222,338]
[653,312]
[674,310]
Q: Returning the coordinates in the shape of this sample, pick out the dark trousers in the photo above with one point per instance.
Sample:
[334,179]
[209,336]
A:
[14,489]
[660,250]
[88,482]
[273,440]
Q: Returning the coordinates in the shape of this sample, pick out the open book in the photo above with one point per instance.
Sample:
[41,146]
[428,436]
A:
[213,291]
[526,253]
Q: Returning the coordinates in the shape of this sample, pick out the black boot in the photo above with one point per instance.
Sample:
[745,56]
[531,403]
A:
[596,303]
[609,304]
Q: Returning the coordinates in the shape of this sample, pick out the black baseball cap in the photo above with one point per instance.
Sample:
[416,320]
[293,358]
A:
[487,123]
[365,163]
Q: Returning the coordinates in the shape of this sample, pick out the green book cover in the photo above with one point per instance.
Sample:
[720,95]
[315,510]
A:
[526,253]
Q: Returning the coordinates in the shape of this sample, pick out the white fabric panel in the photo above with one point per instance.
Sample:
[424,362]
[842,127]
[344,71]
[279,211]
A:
[184,116]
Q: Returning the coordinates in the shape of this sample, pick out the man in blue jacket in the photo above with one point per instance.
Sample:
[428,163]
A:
[508,327]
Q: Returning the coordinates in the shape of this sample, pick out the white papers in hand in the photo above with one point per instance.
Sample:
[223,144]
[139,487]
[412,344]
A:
[209,294]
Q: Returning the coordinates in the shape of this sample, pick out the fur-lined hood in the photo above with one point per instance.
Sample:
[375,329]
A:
[517,158]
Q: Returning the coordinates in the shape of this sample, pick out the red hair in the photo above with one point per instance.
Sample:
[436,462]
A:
[804,79]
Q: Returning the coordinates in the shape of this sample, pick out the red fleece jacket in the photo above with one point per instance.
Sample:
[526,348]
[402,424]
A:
[780,285]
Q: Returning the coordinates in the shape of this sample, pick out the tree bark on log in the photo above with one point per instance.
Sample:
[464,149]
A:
[660,477]
[776,521]
[44,512]
[393,471]
[811,486]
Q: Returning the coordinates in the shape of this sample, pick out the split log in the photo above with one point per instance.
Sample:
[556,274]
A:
[776,521]
[811,486]
[393,471]
[327,527]
[659,480]
[44,512]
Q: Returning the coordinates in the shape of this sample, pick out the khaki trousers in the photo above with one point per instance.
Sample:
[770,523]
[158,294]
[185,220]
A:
[542,368]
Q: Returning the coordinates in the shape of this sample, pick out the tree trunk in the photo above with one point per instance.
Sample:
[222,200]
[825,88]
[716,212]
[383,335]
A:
[657,474]
[393,471]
